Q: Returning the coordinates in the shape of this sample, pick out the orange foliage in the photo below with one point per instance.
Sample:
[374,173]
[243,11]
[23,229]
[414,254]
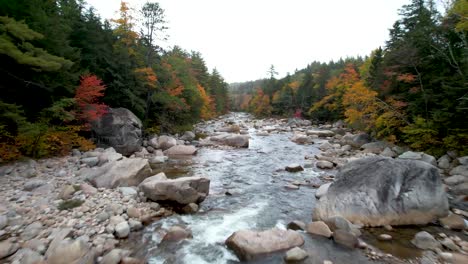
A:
[148,76]
[208,108]
[260,104]
[361,106]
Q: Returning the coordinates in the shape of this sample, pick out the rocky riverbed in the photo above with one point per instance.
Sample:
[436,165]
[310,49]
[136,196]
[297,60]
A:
[240,179]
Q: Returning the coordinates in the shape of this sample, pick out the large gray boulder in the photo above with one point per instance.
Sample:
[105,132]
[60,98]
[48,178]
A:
[381,191]
[181,150]
[249,245]
[126,172]
[233,140]
[119,128]
[182,190]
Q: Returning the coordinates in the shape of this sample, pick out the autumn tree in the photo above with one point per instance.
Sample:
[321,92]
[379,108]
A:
[87,98]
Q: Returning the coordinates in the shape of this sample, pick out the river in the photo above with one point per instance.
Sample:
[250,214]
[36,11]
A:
[247,191]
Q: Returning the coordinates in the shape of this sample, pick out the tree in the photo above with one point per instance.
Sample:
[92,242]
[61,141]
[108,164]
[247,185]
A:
[87,98]
[272,72]
[153,24]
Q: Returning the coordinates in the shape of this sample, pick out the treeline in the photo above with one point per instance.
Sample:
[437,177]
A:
[61,66]
[413,91]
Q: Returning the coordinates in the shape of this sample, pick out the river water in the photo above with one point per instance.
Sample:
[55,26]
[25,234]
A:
[247,191]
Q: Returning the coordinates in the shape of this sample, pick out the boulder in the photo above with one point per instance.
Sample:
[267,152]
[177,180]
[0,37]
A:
[27,256]
[320,133]
[319,228]
[340,223]
[301,139]
[249,245]
[453,221]
[375,147]
[126,172]
[345,238]
[177,233]
[419,156]
[230,129]
[91,161]
[182,190]
[122,230]
[153,142]
[460,170]
[188,136]
[166,142]
[296,225]
[424,240]
[379,191]
[294,168]
[295,254]
[324,165]
[358,140]
[463,160]
[444,162]
[115,256]
[71,252]
[181,150]
[388,152]
[322,190]
[7,248]
[238,141]
[455,179]
[120,129]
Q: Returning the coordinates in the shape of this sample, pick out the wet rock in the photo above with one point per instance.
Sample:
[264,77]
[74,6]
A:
[71,251]
[384,237]
[325,146]
[424,240]
[122,230]
[188,136]
[295,254]
[31,231]
[157,160]
[126,172]
[324,165]
[381,191]
[166,142]
[177,233]
[190,208]
[291,187]
[345,238]
[322,190]
[7,248]
[319,228]
[453,221]
[296,225]
[294,168]
[181,150]
[120,129]
[230,129]
[249,245]
[410,155]
[301,139]
[182,190]
[238,141]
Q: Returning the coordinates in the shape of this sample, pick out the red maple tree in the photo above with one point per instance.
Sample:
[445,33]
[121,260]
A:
[87,98]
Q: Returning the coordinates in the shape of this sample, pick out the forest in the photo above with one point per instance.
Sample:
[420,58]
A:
[412,91]
[62,66]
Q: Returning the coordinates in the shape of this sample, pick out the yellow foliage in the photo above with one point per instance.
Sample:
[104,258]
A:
[361,106]
[208,107]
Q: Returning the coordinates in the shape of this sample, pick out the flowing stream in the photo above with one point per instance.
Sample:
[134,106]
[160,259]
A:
[247,192]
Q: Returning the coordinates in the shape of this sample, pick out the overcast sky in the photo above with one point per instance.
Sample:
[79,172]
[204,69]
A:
[242,38]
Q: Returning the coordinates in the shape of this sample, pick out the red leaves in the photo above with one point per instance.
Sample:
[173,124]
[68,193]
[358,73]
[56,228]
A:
[87,98]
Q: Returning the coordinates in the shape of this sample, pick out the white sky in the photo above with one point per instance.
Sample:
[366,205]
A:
[242,38]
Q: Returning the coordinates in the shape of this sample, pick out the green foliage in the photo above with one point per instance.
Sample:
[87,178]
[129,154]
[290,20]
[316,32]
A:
[70,204]
[421,135]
